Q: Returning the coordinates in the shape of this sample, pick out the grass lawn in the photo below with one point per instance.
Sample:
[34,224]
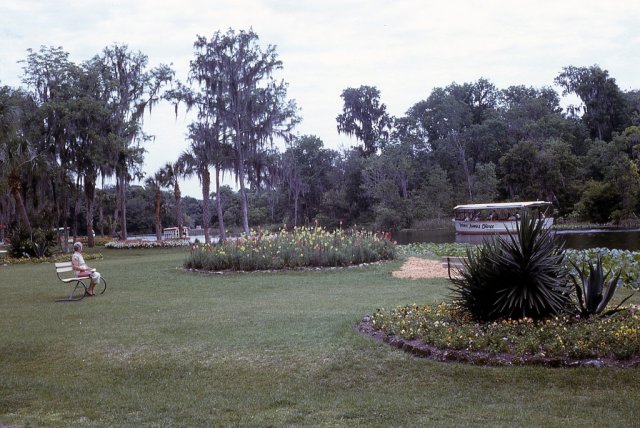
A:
[166,348]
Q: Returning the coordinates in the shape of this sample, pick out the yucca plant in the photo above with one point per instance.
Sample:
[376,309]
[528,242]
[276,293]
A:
[520,275]
[593,291]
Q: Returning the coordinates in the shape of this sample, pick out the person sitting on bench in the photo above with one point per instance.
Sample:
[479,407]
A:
[81,268]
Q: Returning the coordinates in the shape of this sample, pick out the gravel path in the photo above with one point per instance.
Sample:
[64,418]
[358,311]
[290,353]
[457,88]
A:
[417,268]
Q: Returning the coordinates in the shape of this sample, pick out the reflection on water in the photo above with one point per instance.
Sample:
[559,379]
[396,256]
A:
[580,239]
[620,239]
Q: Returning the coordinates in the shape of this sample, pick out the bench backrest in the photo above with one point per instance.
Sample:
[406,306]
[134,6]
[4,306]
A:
[64,267]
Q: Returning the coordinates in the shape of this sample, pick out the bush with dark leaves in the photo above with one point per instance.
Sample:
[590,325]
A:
[520,275]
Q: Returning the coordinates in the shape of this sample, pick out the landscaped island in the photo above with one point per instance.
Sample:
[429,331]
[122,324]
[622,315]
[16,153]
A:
[298,248]
[521,300]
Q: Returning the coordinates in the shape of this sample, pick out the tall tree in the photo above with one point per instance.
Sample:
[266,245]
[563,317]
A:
[156,183]
[51,80]
[604,105]
[365,117]
[90,126]
[17,153]
[305,168]
[195,161]
[448,118]
[450,115]
[134,89]
[172,171]
[206,150]
[238,86]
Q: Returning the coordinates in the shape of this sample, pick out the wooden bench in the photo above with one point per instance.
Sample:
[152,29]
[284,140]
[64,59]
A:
[78,282]
[455,263]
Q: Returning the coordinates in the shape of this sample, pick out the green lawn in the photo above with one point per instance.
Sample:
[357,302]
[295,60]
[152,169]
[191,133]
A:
[168,348]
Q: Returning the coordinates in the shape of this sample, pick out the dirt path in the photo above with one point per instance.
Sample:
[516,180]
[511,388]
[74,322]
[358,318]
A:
[417,268]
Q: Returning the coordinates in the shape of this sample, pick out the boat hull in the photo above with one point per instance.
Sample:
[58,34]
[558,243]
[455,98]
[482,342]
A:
[491,227]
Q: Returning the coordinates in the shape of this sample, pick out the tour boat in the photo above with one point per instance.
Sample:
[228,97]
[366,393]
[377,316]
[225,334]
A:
[498,218]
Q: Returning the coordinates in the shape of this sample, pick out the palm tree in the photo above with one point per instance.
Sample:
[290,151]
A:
[196,163]
[17,153]
[237,89]
[156,183]
[208,148]
[134,89]
[171,172]
[90,146]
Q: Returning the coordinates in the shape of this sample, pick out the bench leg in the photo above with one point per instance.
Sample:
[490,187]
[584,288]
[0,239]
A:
[101,286]
[77,293]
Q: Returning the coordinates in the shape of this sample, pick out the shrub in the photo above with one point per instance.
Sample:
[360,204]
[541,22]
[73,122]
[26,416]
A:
[37,243]
[515,277]
[625,261]
[302,247]
[593,292]
[52,259]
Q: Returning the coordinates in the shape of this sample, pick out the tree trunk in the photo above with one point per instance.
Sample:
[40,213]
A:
[178,197]
[114,221]
[101,219]
[158,219]
[65,220]
[90,193]
[243,198]
[465,165]
[122,204]
[74,219]
[223,236]
[245,209]
[206,206]
[16,192]
[295,210]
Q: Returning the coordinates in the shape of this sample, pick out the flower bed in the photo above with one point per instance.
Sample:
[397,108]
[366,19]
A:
[53,259]
[302,247]
[447,326]
[131,244]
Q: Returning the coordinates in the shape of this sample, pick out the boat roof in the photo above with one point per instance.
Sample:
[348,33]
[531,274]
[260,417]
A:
[501,206]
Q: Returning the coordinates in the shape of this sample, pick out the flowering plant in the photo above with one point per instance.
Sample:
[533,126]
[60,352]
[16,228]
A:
[131,244]
[300,247]
[449,326]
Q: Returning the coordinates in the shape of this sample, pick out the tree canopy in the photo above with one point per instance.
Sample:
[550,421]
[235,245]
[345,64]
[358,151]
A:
[72,126]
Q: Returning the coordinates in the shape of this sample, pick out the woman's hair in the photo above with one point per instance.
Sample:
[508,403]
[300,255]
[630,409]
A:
[77,246]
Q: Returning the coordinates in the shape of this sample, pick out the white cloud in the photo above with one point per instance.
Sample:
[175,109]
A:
[404,47]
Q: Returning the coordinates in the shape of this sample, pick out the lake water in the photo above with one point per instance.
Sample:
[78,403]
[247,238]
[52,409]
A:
[578,239]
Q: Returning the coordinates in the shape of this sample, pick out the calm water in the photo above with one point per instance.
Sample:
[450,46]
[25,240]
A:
[620,239]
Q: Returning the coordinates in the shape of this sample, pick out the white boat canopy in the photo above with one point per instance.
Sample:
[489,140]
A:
[502,206]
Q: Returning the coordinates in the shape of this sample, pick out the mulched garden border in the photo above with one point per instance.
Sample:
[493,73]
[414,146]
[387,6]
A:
[489,359]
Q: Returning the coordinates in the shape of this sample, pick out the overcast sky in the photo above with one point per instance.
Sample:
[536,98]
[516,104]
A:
[403,47]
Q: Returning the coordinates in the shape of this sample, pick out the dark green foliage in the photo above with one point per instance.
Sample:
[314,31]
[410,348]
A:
[519,276]
[37,243]
[593,291]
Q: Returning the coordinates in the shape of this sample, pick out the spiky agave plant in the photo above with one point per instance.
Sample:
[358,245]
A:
[593,291]
[521,275]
